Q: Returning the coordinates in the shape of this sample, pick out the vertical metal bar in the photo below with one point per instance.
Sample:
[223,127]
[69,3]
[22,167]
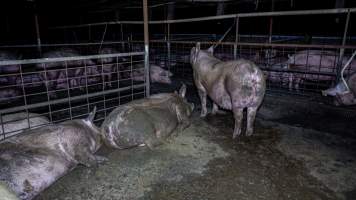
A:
[2,126]
[38,35]
[122,37]
[145,27]
[168,47]
[342,50]
[236,37]
[270,30]
[89,33]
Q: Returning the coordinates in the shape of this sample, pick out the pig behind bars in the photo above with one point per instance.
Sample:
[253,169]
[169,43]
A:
[315,61]
[32,161]
[12,124]
[54,74]
[339,91]
[10,70]
[108,65]
[157,74]
[147,121]
[232,85]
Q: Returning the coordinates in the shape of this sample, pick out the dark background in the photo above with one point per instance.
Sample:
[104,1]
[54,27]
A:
[18,26]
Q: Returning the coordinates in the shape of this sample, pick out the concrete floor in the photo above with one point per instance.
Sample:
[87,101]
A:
[288,157]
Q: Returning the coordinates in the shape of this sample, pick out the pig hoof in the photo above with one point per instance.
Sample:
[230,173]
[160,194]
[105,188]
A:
[236,134]
[249,133]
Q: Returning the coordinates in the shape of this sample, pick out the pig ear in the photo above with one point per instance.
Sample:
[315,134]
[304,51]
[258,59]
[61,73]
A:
[91,115]
[183,90]
[211,49]
[197,47]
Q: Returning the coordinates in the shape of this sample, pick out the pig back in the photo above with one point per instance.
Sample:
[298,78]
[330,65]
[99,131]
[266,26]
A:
[140,122]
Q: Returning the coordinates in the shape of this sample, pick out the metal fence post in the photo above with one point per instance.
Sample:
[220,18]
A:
[168,47]
[147,64]
[236,37]
[342,50]
[38,35]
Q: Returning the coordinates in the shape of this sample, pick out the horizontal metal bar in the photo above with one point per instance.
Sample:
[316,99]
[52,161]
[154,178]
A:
[64,44]
[64,100]
[61,59]
[262,44]
[230,16]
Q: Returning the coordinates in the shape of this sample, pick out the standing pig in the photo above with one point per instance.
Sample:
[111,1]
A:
[15,123]
[147,121]
[157,73]
[32,161]
[339,91]
[232,85]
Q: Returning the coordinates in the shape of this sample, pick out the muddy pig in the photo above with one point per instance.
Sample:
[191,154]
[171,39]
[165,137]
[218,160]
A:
[339,91]
[147,121]
[232,85]
[15,123]
[157,73]
[32,161]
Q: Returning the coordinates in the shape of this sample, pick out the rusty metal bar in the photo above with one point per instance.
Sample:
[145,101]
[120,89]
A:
[255,14]
[146,39]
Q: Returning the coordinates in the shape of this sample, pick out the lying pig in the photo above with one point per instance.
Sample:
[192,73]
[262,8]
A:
[147,121]
[157,73]
[314,62]
[15,123]
[339,91]
[32,161]
[232,85]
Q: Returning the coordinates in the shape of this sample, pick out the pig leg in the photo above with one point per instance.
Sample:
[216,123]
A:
[216,110]
[251,115]
[88,159]
[202,96]
[238,114]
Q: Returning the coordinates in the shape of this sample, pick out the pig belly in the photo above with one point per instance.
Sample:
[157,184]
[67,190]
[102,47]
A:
[29,172]
[220,96]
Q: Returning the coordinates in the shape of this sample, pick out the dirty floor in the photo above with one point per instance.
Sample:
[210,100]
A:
[280,161]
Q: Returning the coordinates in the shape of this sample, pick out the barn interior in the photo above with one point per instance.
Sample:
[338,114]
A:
[60,59]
